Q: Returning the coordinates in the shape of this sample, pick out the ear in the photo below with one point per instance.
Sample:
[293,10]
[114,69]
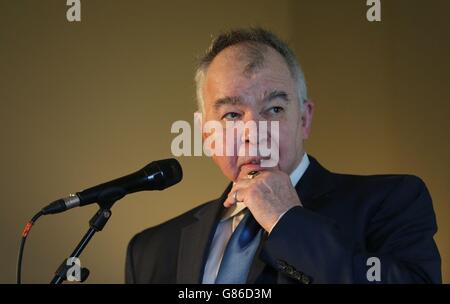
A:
[307,117]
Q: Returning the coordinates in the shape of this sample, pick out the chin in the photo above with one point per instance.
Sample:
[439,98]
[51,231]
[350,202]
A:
[230,173]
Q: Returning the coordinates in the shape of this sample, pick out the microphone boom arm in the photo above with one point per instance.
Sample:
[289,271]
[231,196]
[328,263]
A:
[96,224]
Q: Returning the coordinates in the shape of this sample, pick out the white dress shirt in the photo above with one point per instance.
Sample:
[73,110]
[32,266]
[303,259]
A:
[228,224]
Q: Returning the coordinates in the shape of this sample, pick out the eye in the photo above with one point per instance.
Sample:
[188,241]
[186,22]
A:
[231,116]
[275,110]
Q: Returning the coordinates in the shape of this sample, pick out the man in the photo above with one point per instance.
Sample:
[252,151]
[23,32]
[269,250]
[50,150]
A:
[295,222]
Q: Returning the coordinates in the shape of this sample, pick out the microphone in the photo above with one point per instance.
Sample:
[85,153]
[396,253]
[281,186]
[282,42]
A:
[157,175]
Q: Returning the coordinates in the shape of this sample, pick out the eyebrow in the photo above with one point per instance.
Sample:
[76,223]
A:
[229,100]
[237,100]
[277,94]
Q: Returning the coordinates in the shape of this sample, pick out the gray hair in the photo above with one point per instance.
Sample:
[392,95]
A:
[255,40]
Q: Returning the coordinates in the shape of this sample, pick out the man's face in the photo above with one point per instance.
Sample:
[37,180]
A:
[267,93]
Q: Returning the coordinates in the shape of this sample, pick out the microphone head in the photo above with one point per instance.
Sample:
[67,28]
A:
[163,173]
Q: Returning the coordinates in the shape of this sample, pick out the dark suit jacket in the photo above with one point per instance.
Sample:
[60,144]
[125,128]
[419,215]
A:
[345,220]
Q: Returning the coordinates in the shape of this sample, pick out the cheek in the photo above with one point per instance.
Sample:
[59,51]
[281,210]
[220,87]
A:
[224,145]
[228,166]
[289,144]
[286,137]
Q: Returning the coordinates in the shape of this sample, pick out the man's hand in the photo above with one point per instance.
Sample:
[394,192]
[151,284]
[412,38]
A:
[268,195]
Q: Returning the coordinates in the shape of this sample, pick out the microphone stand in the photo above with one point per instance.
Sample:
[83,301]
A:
[96,224]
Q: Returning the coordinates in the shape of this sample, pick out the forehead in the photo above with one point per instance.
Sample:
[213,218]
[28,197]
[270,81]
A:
[229,75]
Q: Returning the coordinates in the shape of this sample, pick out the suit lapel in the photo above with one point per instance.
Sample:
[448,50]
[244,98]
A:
[315,183]
[195,240]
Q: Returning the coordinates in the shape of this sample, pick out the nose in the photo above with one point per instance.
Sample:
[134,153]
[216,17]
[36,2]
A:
[250,132]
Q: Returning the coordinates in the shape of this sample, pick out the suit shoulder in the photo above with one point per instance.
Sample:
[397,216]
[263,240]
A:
[386,181]
[168,228]
[390,192]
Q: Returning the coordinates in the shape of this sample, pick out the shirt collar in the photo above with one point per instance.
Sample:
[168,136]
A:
[298,172]
[295,177]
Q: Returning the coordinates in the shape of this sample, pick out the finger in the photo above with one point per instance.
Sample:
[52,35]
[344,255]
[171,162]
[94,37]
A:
[255,175]
[240,184]
[229,201]
[238,187]
[231,198]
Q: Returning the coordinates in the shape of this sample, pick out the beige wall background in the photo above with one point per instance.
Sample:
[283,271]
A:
[82,103]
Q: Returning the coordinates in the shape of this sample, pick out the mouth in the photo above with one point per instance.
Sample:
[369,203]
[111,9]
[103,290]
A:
[250,164]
